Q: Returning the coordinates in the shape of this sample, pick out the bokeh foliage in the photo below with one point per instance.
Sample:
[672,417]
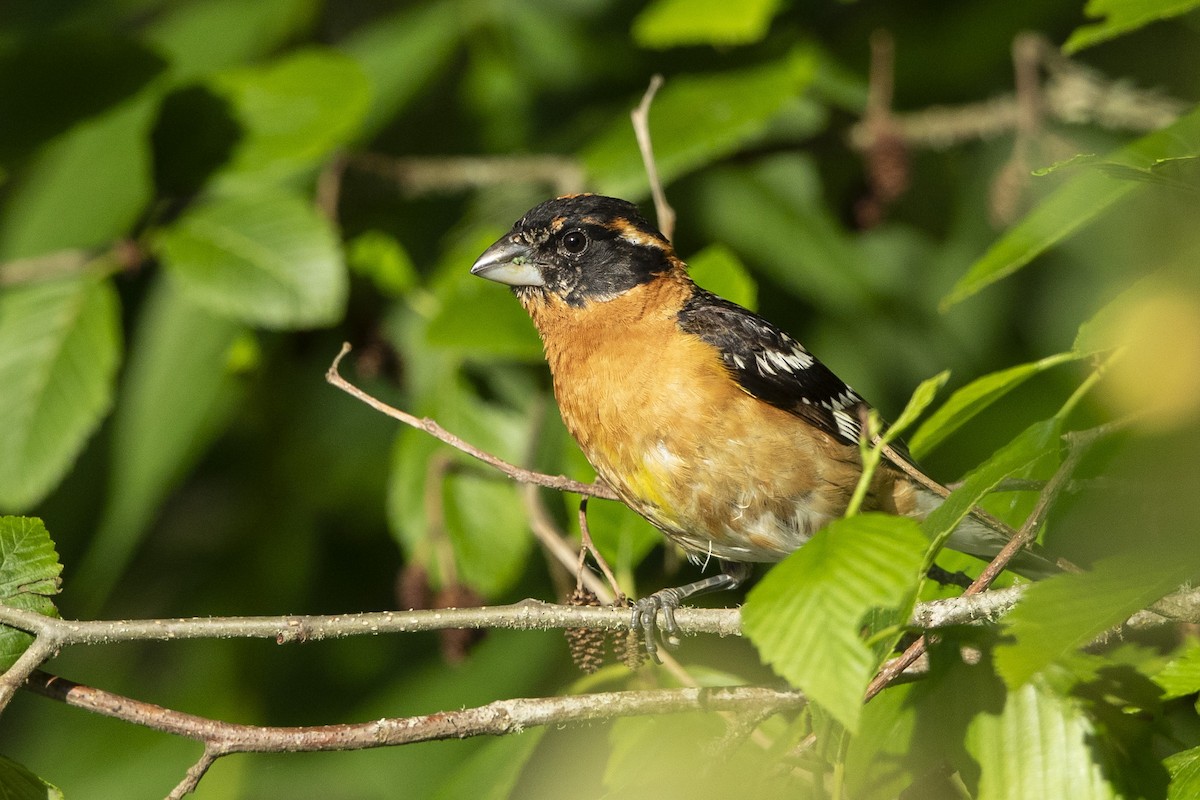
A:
[190,225]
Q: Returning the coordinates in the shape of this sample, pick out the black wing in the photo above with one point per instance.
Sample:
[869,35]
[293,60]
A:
[774,367]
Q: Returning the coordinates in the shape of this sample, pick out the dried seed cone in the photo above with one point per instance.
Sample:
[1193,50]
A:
[586,644]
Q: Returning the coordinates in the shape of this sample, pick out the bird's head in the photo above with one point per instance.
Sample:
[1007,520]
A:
[581,248]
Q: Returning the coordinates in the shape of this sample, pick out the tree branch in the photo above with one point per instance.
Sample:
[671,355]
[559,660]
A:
[430,426]
[1072,93]
[1078,444]
[432,175]
[493,719]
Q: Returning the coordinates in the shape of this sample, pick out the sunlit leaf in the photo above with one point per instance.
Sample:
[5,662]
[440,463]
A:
[1077,202]
[1121,17]
[266,258]
[674,23]
[1185,774]
[292,112]
[1181,676]
[1064,612]
[60,344]
[85,188]
[805,616]
[206,35]
[1033,444]
[973,398]
[920,400]
[29,577]
[1039,746]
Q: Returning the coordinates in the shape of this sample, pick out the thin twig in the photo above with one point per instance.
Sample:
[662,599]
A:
[585,536]
[433,500]
[1078,444]
[641,129]
[441,174]
[1072,93]
[40,650]
[329,188]
[559,482]
[555,543]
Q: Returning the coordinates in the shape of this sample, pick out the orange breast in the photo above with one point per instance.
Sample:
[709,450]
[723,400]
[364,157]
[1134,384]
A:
[656,413]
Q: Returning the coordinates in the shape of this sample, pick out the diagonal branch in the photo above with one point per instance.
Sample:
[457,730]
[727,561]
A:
[1078,444]
[430,426]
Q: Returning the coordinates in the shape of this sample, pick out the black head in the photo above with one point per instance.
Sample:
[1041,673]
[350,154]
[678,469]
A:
[582,247]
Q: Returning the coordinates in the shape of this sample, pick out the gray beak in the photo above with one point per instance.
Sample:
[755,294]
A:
[510,263]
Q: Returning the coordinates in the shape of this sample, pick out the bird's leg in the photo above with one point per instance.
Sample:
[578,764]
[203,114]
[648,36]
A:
[646,610]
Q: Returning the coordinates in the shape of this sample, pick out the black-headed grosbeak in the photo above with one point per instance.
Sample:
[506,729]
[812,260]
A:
[713,424]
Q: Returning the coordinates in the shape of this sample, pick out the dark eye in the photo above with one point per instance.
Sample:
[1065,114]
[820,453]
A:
[575,242]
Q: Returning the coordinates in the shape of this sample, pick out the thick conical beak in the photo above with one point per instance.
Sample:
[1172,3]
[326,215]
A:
[510,263]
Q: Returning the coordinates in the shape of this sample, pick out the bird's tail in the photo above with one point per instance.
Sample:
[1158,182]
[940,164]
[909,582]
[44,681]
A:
[976,538]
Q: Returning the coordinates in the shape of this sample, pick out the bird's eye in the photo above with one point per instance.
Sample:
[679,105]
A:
[575,242]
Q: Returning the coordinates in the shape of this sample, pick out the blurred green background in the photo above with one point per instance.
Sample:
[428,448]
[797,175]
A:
[200,201]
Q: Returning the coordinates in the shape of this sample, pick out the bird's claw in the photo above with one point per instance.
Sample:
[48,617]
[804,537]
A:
[645,619]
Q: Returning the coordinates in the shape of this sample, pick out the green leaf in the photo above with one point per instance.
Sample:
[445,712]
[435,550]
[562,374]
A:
[1181,676]
[1057,615]
[805,616]
[401,54]
[292,112]
[85,188]
[60,344]
[921,398]
[266,258]
[675,23]
[720,271]
[1031,445]
[380,258]
[29,577]
[973,398]
[1185,774]
[1122,16]
[694,121]
[1039,746]
[488,529]
[1075,203]
[176,395]
[1107,328]
[462,503]
[205,35]
[18,783]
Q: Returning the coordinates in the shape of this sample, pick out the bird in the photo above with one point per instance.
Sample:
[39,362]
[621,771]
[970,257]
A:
[715,425]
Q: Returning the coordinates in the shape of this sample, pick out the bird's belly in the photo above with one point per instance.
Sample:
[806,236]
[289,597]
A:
[718,471]
[724,499]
